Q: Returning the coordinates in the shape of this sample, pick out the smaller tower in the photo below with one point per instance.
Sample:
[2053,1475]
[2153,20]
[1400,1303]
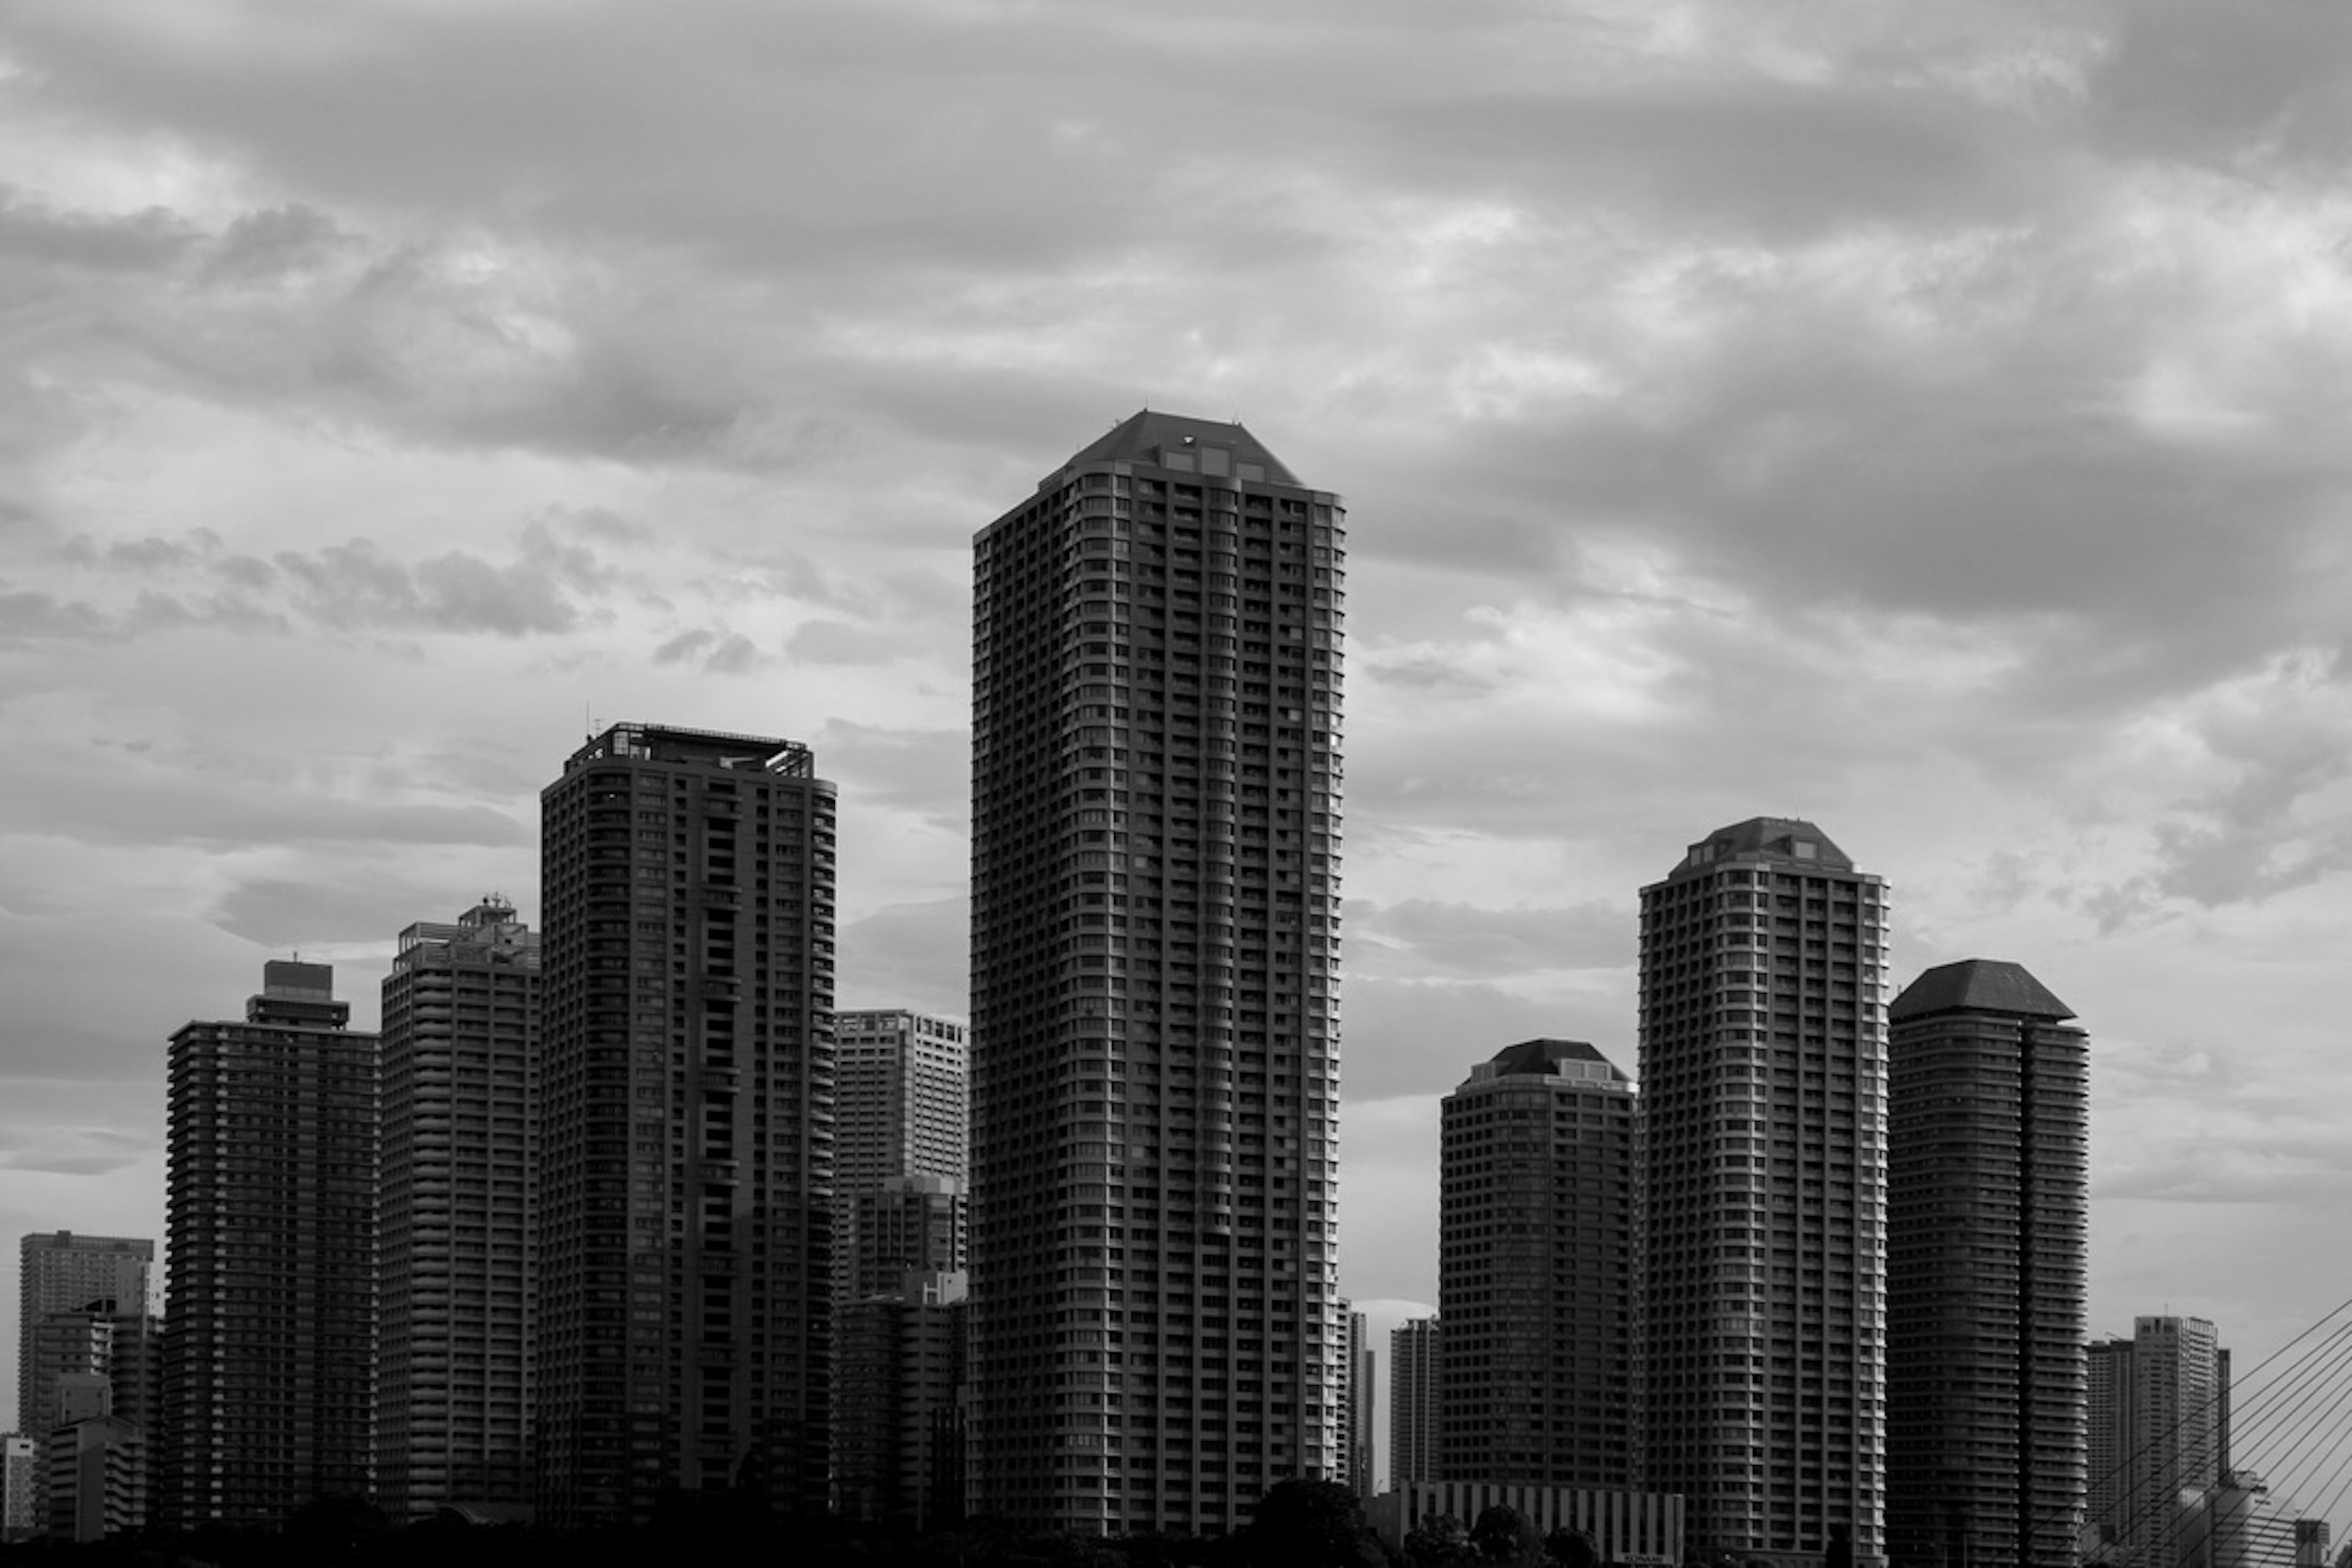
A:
[1536,1269]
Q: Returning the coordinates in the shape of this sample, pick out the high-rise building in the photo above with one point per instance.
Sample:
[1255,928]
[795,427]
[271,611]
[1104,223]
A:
[1361,1406]
[1416,1355]
[1763,1071]
[1535,1274]
[459,1255]
[22,1464]
[62,1272]
[903,1097]
[2158,1407]
[901,1116]
[902,1225]
[269,1337]
[686,1125]
[899,1440]
[1155,930]
[1988,1260]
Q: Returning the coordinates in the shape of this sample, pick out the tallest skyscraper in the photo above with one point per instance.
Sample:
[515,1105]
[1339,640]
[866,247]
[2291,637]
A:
[1157,637]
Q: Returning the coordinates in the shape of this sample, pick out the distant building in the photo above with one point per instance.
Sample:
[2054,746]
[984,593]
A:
[270,1338]
[901,1114]
[97,1478]
[1416,1408]
[62,1272]
[1988,1270]
[1763,1071]
[686,1186]
[899,1445]
[2158,1410]
[21,1466]
[1537,1260]
[902,1225]
[459,1255]
[104,1375]
[1360,1407]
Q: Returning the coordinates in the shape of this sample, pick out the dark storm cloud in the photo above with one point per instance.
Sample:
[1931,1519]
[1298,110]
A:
[140,242]
[356,585]
[2257,87]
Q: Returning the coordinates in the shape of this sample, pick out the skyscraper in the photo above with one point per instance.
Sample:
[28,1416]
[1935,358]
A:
[1361,1407]
[1763,1069]
[1416,1403]
[1987,1259]
[2159,1407]
[901,1129]
[459,1255]
[269,1337]
[1157,643]
[62,1272]
[903,1097]
[686,1124]
[1536,1269]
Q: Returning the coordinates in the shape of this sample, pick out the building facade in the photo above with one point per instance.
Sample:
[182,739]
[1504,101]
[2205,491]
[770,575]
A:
[1763,1071]
[269,1334]
[2159,1411]
[1537,1269]
[59,1271]
[1155,930]
[1988,1270]
[901,1145]
[460,1247]
[1416,1402]
[686,1125]
[903,1097]
[900,1447]
[1361,1409]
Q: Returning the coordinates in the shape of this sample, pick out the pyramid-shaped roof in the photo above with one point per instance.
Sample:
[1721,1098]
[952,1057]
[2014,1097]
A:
[1542,1058]
[1138,439]
[1978,985]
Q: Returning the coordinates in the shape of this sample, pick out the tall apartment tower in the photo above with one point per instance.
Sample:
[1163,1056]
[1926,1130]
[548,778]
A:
[1155,930]
[2158,1413]
[1362,1406]
[686,1124]
[1416,1402]
[1536,1260]
[903,1097]
[270,1336]
[62,1272]
[1987,1259]
[902,1114]
[1763,1069]
[459,1252]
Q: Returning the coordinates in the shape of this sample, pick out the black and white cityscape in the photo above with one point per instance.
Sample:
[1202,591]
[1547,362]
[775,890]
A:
[941,780]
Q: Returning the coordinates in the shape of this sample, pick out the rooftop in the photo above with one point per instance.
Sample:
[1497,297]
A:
[1788,839]
[1978,985]
[1141,437]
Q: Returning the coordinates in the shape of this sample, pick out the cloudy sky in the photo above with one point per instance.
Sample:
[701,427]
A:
[1928,419]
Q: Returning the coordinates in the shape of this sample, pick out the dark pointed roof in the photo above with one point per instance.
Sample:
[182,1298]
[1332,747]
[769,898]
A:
[1542,1058]
[1765,838]
[1138,439]
[1978,985]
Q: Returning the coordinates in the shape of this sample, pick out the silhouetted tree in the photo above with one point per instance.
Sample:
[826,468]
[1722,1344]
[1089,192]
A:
[1573,1548]
[1503,1535]
[1308,1524]
[1437,1541]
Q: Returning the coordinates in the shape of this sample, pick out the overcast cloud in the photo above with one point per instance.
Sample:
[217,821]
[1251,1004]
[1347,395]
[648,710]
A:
[1928,419]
